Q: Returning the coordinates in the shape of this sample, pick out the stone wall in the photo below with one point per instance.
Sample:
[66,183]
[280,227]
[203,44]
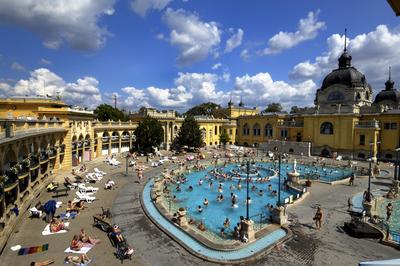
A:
[291,147]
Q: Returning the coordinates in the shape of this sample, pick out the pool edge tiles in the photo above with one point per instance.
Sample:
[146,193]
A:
[199,249]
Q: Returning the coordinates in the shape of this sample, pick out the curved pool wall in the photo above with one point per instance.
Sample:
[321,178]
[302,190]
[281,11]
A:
[197,248]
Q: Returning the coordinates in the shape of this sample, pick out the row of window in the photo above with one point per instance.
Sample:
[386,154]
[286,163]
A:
[390,126]
[257,131]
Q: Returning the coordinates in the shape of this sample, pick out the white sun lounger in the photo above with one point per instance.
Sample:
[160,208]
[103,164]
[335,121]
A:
[97,171]
[88,190]
[85,197]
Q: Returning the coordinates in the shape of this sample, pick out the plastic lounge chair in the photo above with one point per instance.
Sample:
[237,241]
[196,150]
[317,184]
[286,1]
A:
[69,183]
[84,189]
[85,197]
[96,170]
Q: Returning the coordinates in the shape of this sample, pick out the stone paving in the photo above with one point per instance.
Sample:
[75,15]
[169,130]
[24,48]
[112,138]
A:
[328,246]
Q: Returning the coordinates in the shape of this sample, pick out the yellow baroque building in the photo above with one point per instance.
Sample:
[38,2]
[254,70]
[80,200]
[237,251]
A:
[345,121]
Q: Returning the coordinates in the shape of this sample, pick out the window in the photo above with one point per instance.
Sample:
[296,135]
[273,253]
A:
[216,130]
[335,96]
[326,128]
[256,130]
[268,130]
[390,125]
[284,133]
[230,131]
[246,130]
[362,140]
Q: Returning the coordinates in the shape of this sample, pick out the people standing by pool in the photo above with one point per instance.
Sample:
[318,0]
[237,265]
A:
[205,202]
[227,223]
[351,180]
[389,211]
[318,218]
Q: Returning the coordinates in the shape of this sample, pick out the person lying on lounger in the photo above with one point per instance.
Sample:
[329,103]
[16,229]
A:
[57,225]
[85,238]
[77,260]
[116,232]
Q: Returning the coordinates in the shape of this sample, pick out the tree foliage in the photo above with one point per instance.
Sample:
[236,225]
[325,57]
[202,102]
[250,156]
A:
[203,109]
[273,108]
[105,112]
[189,134]
[224,138]
[294,109]
[149,134]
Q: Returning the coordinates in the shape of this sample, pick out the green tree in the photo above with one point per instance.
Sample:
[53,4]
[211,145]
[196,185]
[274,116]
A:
[149,134]
[294,109]
[224,138]
[189,133]
[273,108]
[203,109]
[105,112]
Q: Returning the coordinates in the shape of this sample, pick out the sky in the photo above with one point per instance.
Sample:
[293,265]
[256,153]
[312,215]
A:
[173,54]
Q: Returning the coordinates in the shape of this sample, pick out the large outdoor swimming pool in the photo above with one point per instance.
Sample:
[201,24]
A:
[394,221]
[214,215]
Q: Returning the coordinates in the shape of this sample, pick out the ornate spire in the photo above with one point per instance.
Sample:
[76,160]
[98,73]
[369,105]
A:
[230,103]
[389,83]
[241,104]
[345,58]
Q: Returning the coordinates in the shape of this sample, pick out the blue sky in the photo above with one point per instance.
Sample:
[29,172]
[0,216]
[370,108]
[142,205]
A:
[172,54]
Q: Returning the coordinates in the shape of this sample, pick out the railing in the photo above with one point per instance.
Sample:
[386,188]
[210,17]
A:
[23,124]
[290,124]
[125,137]
[106,139]
[367,124]
[114,138]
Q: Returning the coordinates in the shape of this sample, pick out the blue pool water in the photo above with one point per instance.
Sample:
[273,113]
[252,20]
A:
[195,246]
[214,215]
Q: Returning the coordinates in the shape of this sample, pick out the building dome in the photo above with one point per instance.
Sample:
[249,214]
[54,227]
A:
[345,74]
[389,93]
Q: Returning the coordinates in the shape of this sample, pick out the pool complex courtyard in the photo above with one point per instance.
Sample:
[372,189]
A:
[229,180]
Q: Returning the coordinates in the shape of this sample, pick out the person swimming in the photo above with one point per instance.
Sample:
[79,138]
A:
[205,202]
[199,209]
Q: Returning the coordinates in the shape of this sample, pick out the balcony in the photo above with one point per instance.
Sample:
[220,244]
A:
[52,153]
[290,124]
[372,124]
[74,145]
[10,181]
[34,162]
[43,157]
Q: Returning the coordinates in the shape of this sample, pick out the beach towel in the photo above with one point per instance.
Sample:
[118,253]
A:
[85,249]
[68,215]
[46,230]
[31,250]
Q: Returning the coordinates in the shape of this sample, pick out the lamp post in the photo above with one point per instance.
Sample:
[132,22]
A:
[247,187]
[279,180]
[368,196]
[396,165]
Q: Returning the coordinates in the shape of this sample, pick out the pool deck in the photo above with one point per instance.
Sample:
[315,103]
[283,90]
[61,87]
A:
[328,246]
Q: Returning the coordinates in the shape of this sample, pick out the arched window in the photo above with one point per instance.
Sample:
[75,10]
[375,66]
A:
[326,128]
[256,130]
[268,130]
[246,130]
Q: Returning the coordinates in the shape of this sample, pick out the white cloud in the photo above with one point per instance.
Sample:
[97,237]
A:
[226,76]
[141,7]
[56,21]
[372,54]
[45,62]
[18,67]
[260,90]
[234,41]
[160,36]
[216,66]
[308,29]
[194,38]
[195,88]
[83,92]
[244,54]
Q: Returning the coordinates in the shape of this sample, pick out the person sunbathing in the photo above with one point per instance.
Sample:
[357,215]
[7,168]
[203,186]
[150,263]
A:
[77,260]
[86,238]
[57,225]
[76,244]
[42,263]
[116,232]
[80,205]
[71,207]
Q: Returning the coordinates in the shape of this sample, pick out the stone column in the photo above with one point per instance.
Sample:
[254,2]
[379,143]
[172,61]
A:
[279,216]
[166,136]
[247,229]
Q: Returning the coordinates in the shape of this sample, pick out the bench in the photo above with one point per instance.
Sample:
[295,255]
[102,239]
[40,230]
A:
[61,192]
